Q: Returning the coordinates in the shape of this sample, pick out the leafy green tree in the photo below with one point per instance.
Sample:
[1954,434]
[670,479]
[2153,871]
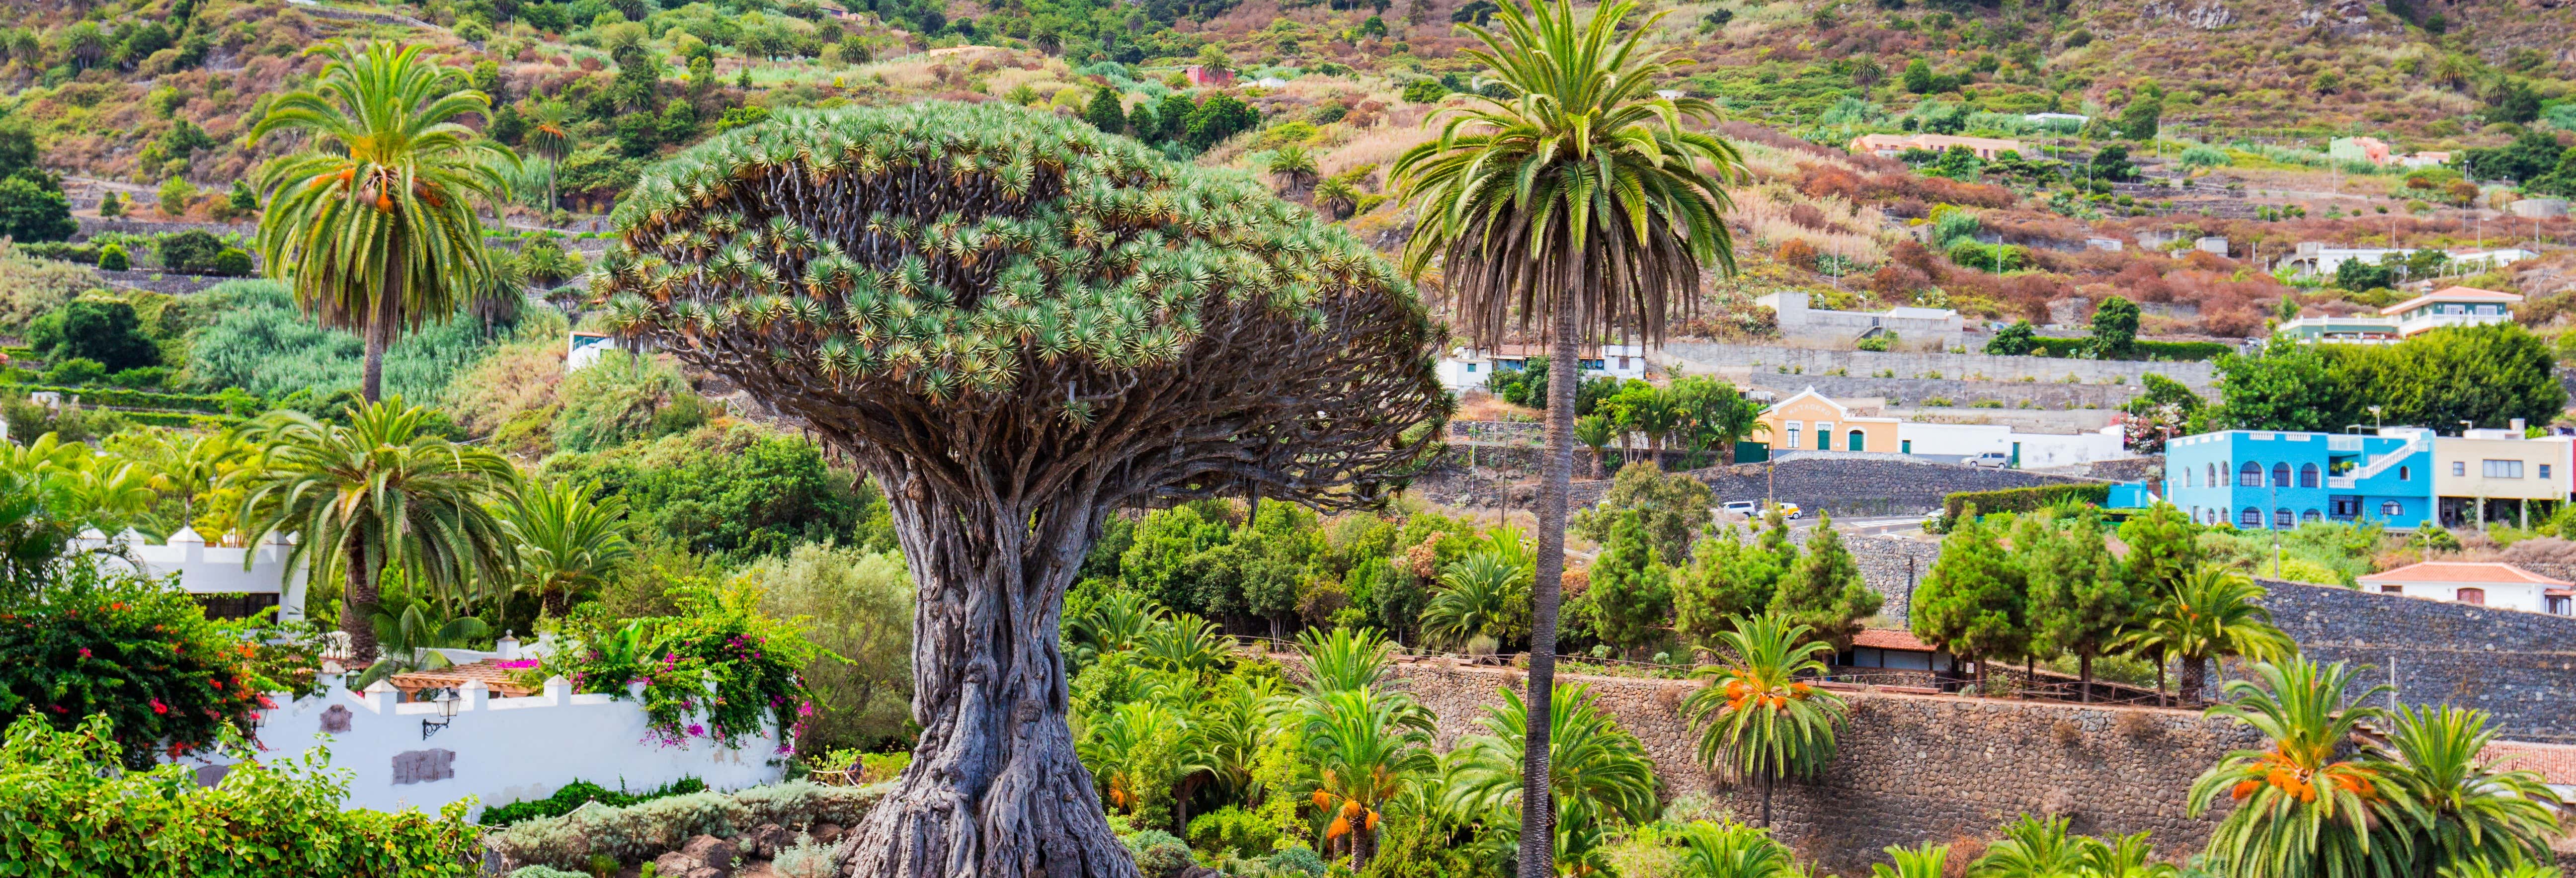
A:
[1754,720]
[34,209]
[735,492]
[970,369]
[2115,328]
[1918,77]
[1728,578]
[2363,276]
[856,604]
[1581,183]
[1631,593]
[1368,747]
[1105,111]
[1218,117]
[102,330]
[1670,508]
[1973,602]
[377,494]
[374,224]
[2080,601]
[1823,592]
[2299,809]
[625,397]
[2287,386]
[2142,118]
[1159,564]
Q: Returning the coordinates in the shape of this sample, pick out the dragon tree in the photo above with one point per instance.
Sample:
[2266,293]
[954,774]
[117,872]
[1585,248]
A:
[1017,324]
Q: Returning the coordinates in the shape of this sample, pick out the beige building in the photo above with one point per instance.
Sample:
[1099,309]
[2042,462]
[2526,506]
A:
[1809,421]
[1892,145]
[2491,475]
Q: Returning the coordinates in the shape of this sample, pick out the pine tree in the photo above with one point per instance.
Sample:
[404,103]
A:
[1972,601]
[1728,578]
[1631,592]
[1824,590]
[1104,112]
[2079,601]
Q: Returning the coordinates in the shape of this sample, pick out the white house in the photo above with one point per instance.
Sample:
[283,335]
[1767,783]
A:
[1798,322]
[2448,306]
[217,574]
[1468,369]
[2025,450]
[584,348]
[2482,583]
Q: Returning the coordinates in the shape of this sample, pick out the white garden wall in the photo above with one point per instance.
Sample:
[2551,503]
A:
[498,750]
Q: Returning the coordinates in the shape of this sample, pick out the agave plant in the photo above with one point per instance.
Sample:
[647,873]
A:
[2301,809]
[2466,809]
[1755,719]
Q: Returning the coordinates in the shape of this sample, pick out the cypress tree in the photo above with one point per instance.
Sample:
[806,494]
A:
[1972,601]
[1824,590]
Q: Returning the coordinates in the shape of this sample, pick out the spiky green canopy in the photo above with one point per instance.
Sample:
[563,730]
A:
[924,279]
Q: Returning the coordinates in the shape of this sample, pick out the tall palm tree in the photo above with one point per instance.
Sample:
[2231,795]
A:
[1598,768]
[377,493]
[550,137]
[1754,719]
[2212,613]
[567,541]
[2299,809]
[374,223]
[1580,205]
[2470,809]
[1367,747]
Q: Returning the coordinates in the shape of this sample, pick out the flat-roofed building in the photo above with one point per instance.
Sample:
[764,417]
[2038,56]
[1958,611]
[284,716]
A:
[1893,145]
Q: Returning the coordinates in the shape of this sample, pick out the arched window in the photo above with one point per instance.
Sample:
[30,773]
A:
[1858,442]
[2392,508]
[2312,515]
[2283,518]
[2189,476]
[2213,476]
[2280,475]
[2250,475]
[2404,473]
[2250,516]
[2476,596]
[2308,475]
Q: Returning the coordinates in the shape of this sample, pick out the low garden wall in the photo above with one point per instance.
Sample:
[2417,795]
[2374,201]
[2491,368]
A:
[1701,356]
[1914,768]
[498,750]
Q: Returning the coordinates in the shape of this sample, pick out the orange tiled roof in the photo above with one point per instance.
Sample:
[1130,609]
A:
[502,681]
[2556,763]
[2464,571]
[1890,638]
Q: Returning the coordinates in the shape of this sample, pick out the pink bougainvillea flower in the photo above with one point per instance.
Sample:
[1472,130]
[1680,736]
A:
[696,730]
[158,707]
[517,664]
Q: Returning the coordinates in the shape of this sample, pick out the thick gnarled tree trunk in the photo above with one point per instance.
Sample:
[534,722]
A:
[995,787]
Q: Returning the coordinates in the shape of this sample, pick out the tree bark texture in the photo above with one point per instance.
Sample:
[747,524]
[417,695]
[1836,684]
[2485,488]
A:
[1556,470]
[995,787]
[357,597]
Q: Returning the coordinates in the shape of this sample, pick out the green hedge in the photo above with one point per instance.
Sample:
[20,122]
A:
[2140,350]
[180,419]
[141,399]
[2020,499]
[582,792]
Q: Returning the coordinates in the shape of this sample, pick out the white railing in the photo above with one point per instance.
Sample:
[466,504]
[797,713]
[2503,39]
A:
[209,569]
[2414,443]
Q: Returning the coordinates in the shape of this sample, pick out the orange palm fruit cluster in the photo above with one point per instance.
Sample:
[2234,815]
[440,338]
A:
[2244,788]
[1800,691]
[1340,827]
[1323,800]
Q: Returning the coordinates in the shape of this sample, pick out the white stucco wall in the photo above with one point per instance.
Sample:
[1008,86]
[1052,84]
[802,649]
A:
[2037,449]
[2524,596]
[501,750]
[204,569]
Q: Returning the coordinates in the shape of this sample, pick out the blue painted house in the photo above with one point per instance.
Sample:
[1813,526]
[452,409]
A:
[2265,479]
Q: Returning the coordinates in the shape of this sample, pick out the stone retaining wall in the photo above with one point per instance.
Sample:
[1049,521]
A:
[2516,665]
[1913,768]
[1701,356]
[1843,485]
[1912,391]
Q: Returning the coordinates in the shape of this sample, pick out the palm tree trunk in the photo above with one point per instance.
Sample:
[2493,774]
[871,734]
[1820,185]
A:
[1538,809]
[2084,671]
[383,321]
[357,597]
[2160,678]
[2195,672]
[1770,782]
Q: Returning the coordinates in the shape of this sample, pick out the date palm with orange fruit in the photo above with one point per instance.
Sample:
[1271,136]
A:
[1756,720]
[2311,804]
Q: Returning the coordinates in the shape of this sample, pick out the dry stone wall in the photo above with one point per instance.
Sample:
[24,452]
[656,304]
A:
[1766,363]
[1912,768]
[1845,485]
[2519,666]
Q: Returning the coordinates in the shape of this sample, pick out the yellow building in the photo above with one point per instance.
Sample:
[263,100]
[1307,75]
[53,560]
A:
[2496,475]
[1809,421]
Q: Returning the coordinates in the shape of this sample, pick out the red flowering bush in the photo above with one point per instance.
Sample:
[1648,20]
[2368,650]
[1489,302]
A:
[135,650]
[720,637]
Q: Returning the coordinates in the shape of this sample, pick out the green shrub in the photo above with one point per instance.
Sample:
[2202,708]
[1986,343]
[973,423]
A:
[69,809]
[113,258]
[75,372]
[260,342]
[131,650]
[581,792]
[1425,91]
[736,491]
[646,830]
[105,330]
[857,604]
[231,262]
[624,398]
[2020,499]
